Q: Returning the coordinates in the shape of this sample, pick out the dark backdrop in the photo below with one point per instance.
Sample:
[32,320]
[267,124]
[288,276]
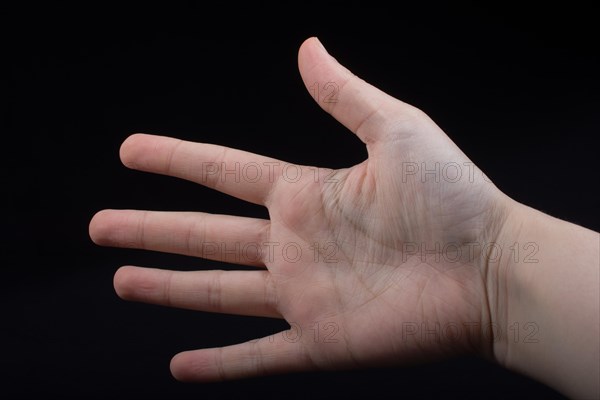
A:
[516,89]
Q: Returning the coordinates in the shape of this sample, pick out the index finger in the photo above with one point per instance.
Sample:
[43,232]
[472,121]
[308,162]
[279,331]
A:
[244,175]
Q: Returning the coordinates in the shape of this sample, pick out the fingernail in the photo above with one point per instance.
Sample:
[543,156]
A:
[321,45]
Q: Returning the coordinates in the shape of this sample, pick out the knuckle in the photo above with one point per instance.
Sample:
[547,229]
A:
[214,292]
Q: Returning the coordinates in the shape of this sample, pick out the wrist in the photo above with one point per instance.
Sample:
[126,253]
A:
[510,250]
[543,296]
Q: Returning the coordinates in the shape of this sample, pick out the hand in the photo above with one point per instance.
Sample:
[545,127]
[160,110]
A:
[387,259]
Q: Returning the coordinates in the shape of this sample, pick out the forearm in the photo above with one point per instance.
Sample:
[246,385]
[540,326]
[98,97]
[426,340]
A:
[545,301]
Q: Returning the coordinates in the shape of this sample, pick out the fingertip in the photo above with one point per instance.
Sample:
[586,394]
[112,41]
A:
[129,148]
[174,366]
[317,42]
[123,282]
[181,368]
[310,49]
[99,228]
[313,42]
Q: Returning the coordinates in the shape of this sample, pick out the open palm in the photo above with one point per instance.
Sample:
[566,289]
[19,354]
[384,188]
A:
[384,262]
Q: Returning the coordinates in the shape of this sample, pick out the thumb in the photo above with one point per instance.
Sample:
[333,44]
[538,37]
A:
[371,114]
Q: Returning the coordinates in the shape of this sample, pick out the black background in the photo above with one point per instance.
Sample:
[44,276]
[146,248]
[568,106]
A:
[516,89]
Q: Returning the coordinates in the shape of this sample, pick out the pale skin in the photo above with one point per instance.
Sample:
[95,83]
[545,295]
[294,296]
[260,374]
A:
[395,266]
